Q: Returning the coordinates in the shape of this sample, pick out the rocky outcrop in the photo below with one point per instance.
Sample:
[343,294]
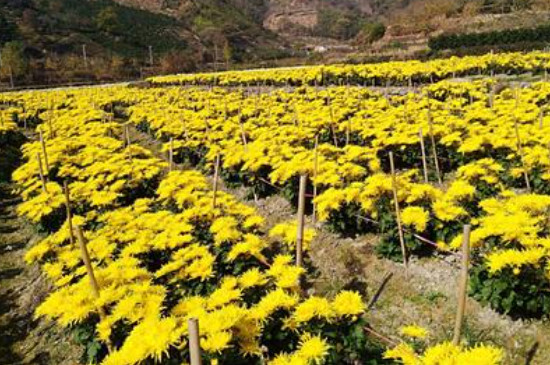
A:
[283,15]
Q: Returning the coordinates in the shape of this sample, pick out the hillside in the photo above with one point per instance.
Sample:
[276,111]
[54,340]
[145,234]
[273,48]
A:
[117,38]
[59,41]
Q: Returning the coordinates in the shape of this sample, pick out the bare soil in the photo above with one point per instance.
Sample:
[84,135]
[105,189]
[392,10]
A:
[24,339]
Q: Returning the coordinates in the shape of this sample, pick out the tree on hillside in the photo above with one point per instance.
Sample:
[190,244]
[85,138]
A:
[107,20]
[14,61]
[227,53]
[371,32]
[7,30]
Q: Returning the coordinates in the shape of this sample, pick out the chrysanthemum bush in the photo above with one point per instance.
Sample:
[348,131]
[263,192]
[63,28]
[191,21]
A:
[166,259]
[415,350]
[166,255]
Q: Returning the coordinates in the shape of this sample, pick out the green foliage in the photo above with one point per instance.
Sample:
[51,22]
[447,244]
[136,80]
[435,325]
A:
[84,335]
[8,30]
[338,24]
[14,60]
[525,295]
[503,37]
[371,32]
[107,20]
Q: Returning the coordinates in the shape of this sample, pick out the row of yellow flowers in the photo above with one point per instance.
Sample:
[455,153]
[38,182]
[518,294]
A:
[160,251]
[381,74]
[493,146]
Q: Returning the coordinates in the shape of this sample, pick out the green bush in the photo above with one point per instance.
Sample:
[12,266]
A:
[525,295]
[509,36]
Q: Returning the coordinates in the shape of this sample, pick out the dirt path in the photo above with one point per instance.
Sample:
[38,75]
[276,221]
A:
[23,339]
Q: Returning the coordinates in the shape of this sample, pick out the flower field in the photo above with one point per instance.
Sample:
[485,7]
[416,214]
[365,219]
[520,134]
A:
[167,244]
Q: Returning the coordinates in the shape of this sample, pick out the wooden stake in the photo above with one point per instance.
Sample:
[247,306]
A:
[315,172]
[69,214]
[243,134]
[398,215]
[44,152]
[463,284]
[423,150]
[90,271]
[41,172]
[541,118]
[520,152]
[434,148]
[127,132]
[216,173]
[348,128]
[50,126]
[171,154]
[301,219]
[194,342]
[86,258]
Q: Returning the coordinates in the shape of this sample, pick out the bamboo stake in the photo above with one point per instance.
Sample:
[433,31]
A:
[50,126]
[520,152]
[463,284]
[69,214]
[216,173]
[315,172]
[171,154]
[41,172]
[423,149]
[127,135]
[434,148]
[44,152]
[301,219]
[348,129]
[398,216]
[334,137]
[90,271]
[86,258]
[194,342]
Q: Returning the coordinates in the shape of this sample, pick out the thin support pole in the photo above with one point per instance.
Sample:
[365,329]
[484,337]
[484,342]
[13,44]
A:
[520,152]
[216,174]
[301,219]
[69,213]
[171,154]
[194,342]
[398,215]
[315,173]
[463,284]
[434,148]
[90,271]
[423,150]
[44,151]
[87,263]
[41,172]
